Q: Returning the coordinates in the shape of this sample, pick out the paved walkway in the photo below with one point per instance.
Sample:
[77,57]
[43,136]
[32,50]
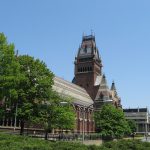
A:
[92,142]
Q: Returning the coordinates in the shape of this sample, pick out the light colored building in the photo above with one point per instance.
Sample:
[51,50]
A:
[142,118]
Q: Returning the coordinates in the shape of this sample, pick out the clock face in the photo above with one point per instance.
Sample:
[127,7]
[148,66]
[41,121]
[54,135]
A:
[89,51]
[85,51]
[82,51]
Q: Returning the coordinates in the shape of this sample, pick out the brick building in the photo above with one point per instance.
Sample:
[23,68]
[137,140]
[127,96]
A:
[89,86]
[89,75]
[82,102]
[88,89]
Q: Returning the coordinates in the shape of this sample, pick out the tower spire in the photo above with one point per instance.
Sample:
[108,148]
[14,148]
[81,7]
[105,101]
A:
[88,65]
[113,87]
[91,31]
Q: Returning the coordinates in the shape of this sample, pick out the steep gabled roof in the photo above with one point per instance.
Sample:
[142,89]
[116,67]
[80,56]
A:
[79,95]
[103,91]
[88,48]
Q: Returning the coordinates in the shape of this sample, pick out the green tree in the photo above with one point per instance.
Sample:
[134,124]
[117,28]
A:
[9,72]
[111,122]
[132,125]
[54,114]
[26,88]
[37,102]
[34,88]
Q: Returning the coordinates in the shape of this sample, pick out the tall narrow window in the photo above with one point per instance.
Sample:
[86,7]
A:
[85,69]
[90,68]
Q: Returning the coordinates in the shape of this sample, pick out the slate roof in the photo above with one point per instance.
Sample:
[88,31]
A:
[79,95]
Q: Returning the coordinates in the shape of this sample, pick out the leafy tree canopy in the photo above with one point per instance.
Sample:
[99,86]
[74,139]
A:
[35,86]
[26,89]
[111,122]
[56,113]
[9,72]
[132,125]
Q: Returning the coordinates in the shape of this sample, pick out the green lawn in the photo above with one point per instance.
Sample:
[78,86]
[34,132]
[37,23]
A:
[17,142]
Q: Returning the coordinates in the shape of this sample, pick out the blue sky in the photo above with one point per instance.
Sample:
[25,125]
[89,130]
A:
[51,30]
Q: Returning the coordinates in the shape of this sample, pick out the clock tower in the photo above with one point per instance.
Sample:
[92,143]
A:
[88,66]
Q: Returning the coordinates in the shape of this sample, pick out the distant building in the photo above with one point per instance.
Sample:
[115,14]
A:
[142,118]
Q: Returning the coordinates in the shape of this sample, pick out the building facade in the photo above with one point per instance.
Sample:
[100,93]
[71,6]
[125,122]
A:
[88,90]
[82,103]
[141,117]
[88,74]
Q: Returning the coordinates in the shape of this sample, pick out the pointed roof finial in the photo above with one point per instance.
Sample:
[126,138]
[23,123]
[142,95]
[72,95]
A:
[113,87]
[93,35]
[104,75]
[83,34]
[91,31]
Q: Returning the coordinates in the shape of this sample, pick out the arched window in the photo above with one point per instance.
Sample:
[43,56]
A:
[90,68]
[83,69]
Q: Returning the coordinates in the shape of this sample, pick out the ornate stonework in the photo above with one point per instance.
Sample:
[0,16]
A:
[88,74]
[89,90]
[89,85]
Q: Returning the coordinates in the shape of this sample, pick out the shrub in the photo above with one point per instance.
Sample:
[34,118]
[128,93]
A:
[13,142]
[68,146]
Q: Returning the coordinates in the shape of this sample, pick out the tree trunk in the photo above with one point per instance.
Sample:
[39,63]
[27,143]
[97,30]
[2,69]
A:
[22,127]
[46,135]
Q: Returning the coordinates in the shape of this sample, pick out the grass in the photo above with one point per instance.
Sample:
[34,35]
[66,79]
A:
[17,142]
